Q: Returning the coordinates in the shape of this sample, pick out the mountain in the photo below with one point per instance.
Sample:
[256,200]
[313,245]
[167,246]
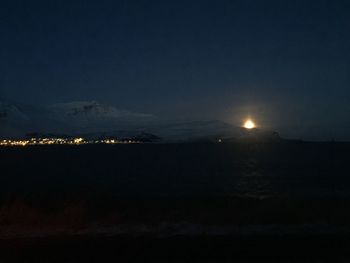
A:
[96,120]
[255,135]
[211,131]
[92,117]
[67,118]
[16,120]
[194,130]
[12,120]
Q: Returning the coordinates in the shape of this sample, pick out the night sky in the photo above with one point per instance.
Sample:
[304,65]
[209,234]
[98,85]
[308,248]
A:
[285,63]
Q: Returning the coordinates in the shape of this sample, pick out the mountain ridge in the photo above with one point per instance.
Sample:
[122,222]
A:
[93,119]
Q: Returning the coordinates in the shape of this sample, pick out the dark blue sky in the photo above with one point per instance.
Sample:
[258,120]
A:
[285,63]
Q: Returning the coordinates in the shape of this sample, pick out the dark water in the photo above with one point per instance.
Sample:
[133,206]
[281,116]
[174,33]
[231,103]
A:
[285,202]
[149,170]
[170,189]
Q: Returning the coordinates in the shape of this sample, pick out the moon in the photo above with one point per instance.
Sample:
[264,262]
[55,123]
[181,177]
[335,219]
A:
[249,124]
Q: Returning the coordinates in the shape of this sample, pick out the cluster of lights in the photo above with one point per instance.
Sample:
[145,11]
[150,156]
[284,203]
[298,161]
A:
[61,141]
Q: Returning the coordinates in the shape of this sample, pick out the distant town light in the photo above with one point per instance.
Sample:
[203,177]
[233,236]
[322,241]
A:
[60,141]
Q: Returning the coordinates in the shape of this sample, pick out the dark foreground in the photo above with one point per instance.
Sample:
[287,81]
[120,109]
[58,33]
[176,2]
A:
[283,202]
[178,249]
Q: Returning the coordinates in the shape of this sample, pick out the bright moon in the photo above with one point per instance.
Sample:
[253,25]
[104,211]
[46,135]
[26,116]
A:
[249,124]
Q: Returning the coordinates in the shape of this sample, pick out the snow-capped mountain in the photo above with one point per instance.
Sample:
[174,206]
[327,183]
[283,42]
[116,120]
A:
[88,117]
[93,120]
[67,118]
[94,110]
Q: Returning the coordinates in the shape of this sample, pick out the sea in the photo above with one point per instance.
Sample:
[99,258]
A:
[190,190]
